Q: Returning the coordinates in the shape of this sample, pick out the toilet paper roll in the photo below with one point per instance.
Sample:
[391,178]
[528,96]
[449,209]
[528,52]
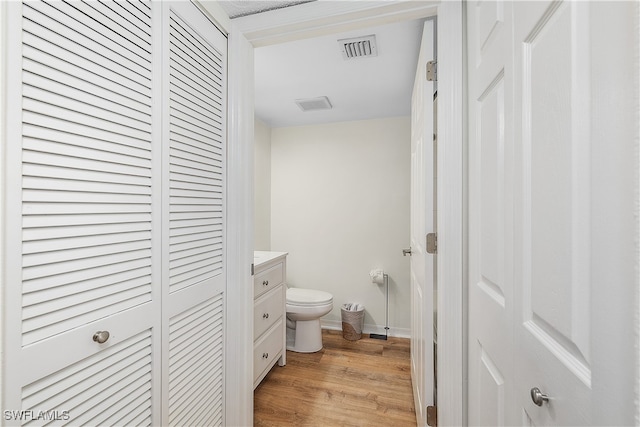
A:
[377,276]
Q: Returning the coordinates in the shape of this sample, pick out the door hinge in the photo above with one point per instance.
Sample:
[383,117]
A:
[432,71]
[432,416]
[432,243]
[252,268]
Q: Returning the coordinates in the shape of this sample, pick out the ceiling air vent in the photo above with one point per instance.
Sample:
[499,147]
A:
[313,104]
[359,47]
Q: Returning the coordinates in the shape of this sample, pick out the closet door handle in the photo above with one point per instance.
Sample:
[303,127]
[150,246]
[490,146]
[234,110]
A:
[265,283]
[265,316]
[101,337]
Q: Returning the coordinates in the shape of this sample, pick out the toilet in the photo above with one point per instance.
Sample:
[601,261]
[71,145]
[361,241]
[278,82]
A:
[305,307]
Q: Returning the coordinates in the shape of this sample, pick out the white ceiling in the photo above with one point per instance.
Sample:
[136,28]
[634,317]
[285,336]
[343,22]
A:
[236,9]
[358,89]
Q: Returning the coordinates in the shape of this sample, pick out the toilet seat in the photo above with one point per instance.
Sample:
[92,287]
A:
[308,297]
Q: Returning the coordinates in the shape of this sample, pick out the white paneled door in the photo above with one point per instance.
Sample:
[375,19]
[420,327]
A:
[490,214]
[113,298]
[543,349]
[422,222]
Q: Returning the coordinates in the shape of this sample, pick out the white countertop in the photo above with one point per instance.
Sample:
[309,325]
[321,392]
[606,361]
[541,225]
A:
[262,257]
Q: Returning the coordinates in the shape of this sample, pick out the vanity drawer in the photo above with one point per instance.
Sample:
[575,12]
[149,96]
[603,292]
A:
[267,310]
[267,349]
[267,279]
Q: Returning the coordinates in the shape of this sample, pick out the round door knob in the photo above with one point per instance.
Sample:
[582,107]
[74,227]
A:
[101,337]
[538,397]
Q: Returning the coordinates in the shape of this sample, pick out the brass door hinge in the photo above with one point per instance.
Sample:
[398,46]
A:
[432,71]
[432,243]
[432,416]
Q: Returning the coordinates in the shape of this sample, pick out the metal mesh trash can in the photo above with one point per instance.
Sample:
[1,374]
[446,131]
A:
[352,323]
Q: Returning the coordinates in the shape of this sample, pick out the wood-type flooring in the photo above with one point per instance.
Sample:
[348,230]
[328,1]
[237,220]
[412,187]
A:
[348,383]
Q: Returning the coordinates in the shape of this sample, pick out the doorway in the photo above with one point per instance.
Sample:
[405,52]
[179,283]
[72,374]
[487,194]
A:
[339,189]
[260,31]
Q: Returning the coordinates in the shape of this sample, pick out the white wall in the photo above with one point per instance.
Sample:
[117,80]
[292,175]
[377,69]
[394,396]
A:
[262,186]
[340,207]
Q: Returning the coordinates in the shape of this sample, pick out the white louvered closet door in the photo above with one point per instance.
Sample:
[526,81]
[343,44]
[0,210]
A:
[193,249]
[82,175]
[115,220]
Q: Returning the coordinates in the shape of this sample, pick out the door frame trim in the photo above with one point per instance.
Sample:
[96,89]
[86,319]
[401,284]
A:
[311,20]
[452,216]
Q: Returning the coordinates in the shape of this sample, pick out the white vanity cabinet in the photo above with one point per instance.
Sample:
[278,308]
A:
[269,312]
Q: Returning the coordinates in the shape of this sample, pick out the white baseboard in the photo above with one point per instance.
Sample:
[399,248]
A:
[336,325]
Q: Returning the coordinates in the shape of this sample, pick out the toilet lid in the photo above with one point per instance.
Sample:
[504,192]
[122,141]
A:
[300,296]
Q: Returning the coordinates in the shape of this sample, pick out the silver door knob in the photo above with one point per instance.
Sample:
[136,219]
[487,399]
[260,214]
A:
[101,337]
[406,252]
[538,397]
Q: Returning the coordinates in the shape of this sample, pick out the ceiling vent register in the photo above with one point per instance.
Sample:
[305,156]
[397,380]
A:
[359,47]
[313,104]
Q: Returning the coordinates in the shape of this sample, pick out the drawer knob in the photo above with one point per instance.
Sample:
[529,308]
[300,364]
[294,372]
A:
[265,283]
[101,337]
[265,316]
[265,355]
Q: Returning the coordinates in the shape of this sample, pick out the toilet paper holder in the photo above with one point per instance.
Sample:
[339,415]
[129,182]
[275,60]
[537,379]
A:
[379,277]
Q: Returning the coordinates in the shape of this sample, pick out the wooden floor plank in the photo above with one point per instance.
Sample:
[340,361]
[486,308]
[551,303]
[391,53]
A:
[348,383]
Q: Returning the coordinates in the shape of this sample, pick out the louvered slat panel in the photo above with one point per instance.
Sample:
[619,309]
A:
[39,246]
[180,94]
[51,230]
[194,149]
[95,75]
[131,13]
[180,179]
[43,216]
[194,51]
[59,82]
[80,280]
[129,29]
[118,378]
[186,155]
[196,364]
[82,120]
[87,168]
[197,123]
[195,157]
[47,31]
[80,129]
[73,162]
[126,123]
[188,104]
[184,131]
[176,168]
[49,171]
[90,290]
[89,33]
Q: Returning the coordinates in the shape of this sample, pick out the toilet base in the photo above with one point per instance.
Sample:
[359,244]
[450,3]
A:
[306,337]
